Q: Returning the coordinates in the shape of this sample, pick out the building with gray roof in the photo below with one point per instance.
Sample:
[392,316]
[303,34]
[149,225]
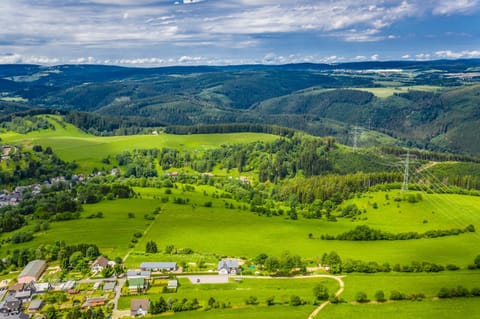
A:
[32,271]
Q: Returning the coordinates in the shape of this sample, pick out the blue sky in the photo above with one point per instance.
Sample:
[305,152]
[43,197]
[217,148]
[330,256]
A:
[192,32]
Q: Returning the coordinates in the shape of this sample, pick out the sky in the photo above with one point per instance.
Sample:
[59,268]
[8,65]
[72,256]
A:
[222,32]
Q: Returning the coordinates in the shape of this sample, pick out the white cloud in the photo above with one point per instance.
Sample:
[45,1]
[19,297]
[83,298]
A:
[406,56]
[18,58]
[457,55]
[423,56]
[374,57]
[448,7]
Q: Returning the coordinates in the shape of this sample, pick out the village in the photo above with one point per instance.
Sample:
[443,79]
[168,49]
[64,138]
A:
[32,294]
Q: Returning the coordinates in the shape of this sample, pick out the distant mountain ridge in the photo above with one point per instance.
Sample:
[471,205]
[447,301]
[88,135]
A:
[430,104]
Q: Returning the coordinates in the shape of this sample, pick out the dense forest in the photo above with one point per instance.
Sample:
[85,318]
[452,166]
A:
[411,106]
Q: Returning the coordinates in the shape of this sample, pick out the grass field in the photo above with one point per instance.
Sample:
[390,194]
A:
[411,283]
[431,309]
[71,144]
[217,231]
[236,293]
[384,92]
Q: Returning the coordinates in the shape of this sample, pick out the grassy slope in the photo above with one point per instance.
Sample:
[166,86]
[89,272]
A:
[71,144]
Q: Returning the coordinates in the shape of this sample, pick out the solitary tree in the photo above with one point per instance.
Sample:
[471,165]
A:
[320,292]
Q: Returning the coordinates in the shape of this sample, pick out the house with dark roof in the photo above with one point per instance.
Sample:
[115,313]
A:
[158,266]
[10,306]
[99,263]
[228,267]
[139,307]
[32,271]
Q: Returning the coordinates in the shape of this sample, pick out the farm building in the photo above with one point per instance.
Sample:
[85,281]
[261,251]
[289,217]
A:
[158,266]
[139,307]
[32,271]
[228,267]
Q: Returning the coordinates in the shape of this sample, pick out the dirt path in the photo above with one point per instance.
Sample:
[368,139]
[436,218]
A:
[427,166]
[338,293]
[144,233]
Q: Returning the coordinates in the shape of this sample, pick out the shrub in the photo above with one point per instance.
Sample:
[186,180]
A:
[361,297]
[380,296]
[295,301]
[396,295]
[252,300]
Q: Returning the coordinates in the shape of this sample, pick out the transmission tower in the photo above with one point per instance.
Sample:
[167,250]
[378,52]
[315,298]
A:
[405,172]
[356,131]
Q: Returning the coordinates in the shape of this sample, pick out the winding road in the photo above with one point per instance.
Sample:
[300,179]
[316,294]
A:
[338,293]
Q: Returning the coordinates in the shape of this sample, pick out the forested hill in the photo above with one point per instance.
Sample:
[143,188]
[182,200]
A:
[430,104]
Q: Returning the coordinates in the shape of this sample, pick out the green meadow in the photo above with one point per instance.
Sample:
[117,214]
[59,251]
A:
[426,309]
[236,293]
[384,92]
[412,283]
[218,231]
[71,144]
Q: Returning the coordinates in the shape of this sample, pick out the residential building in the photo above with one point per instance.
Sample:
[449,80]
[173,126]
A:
[228,267]
[139,307]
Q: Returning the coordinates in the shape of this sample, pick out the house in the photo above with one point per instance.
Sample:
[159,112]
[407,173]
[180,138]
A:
[32,271]
[24,295]
[42,287]
[158,266]
[67,285]
[99,263]
[139,307]
[94,302]
[15,287]
[137,284]
[172,284]
[10,306]
[228,267]
[109,286]
[35,305]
